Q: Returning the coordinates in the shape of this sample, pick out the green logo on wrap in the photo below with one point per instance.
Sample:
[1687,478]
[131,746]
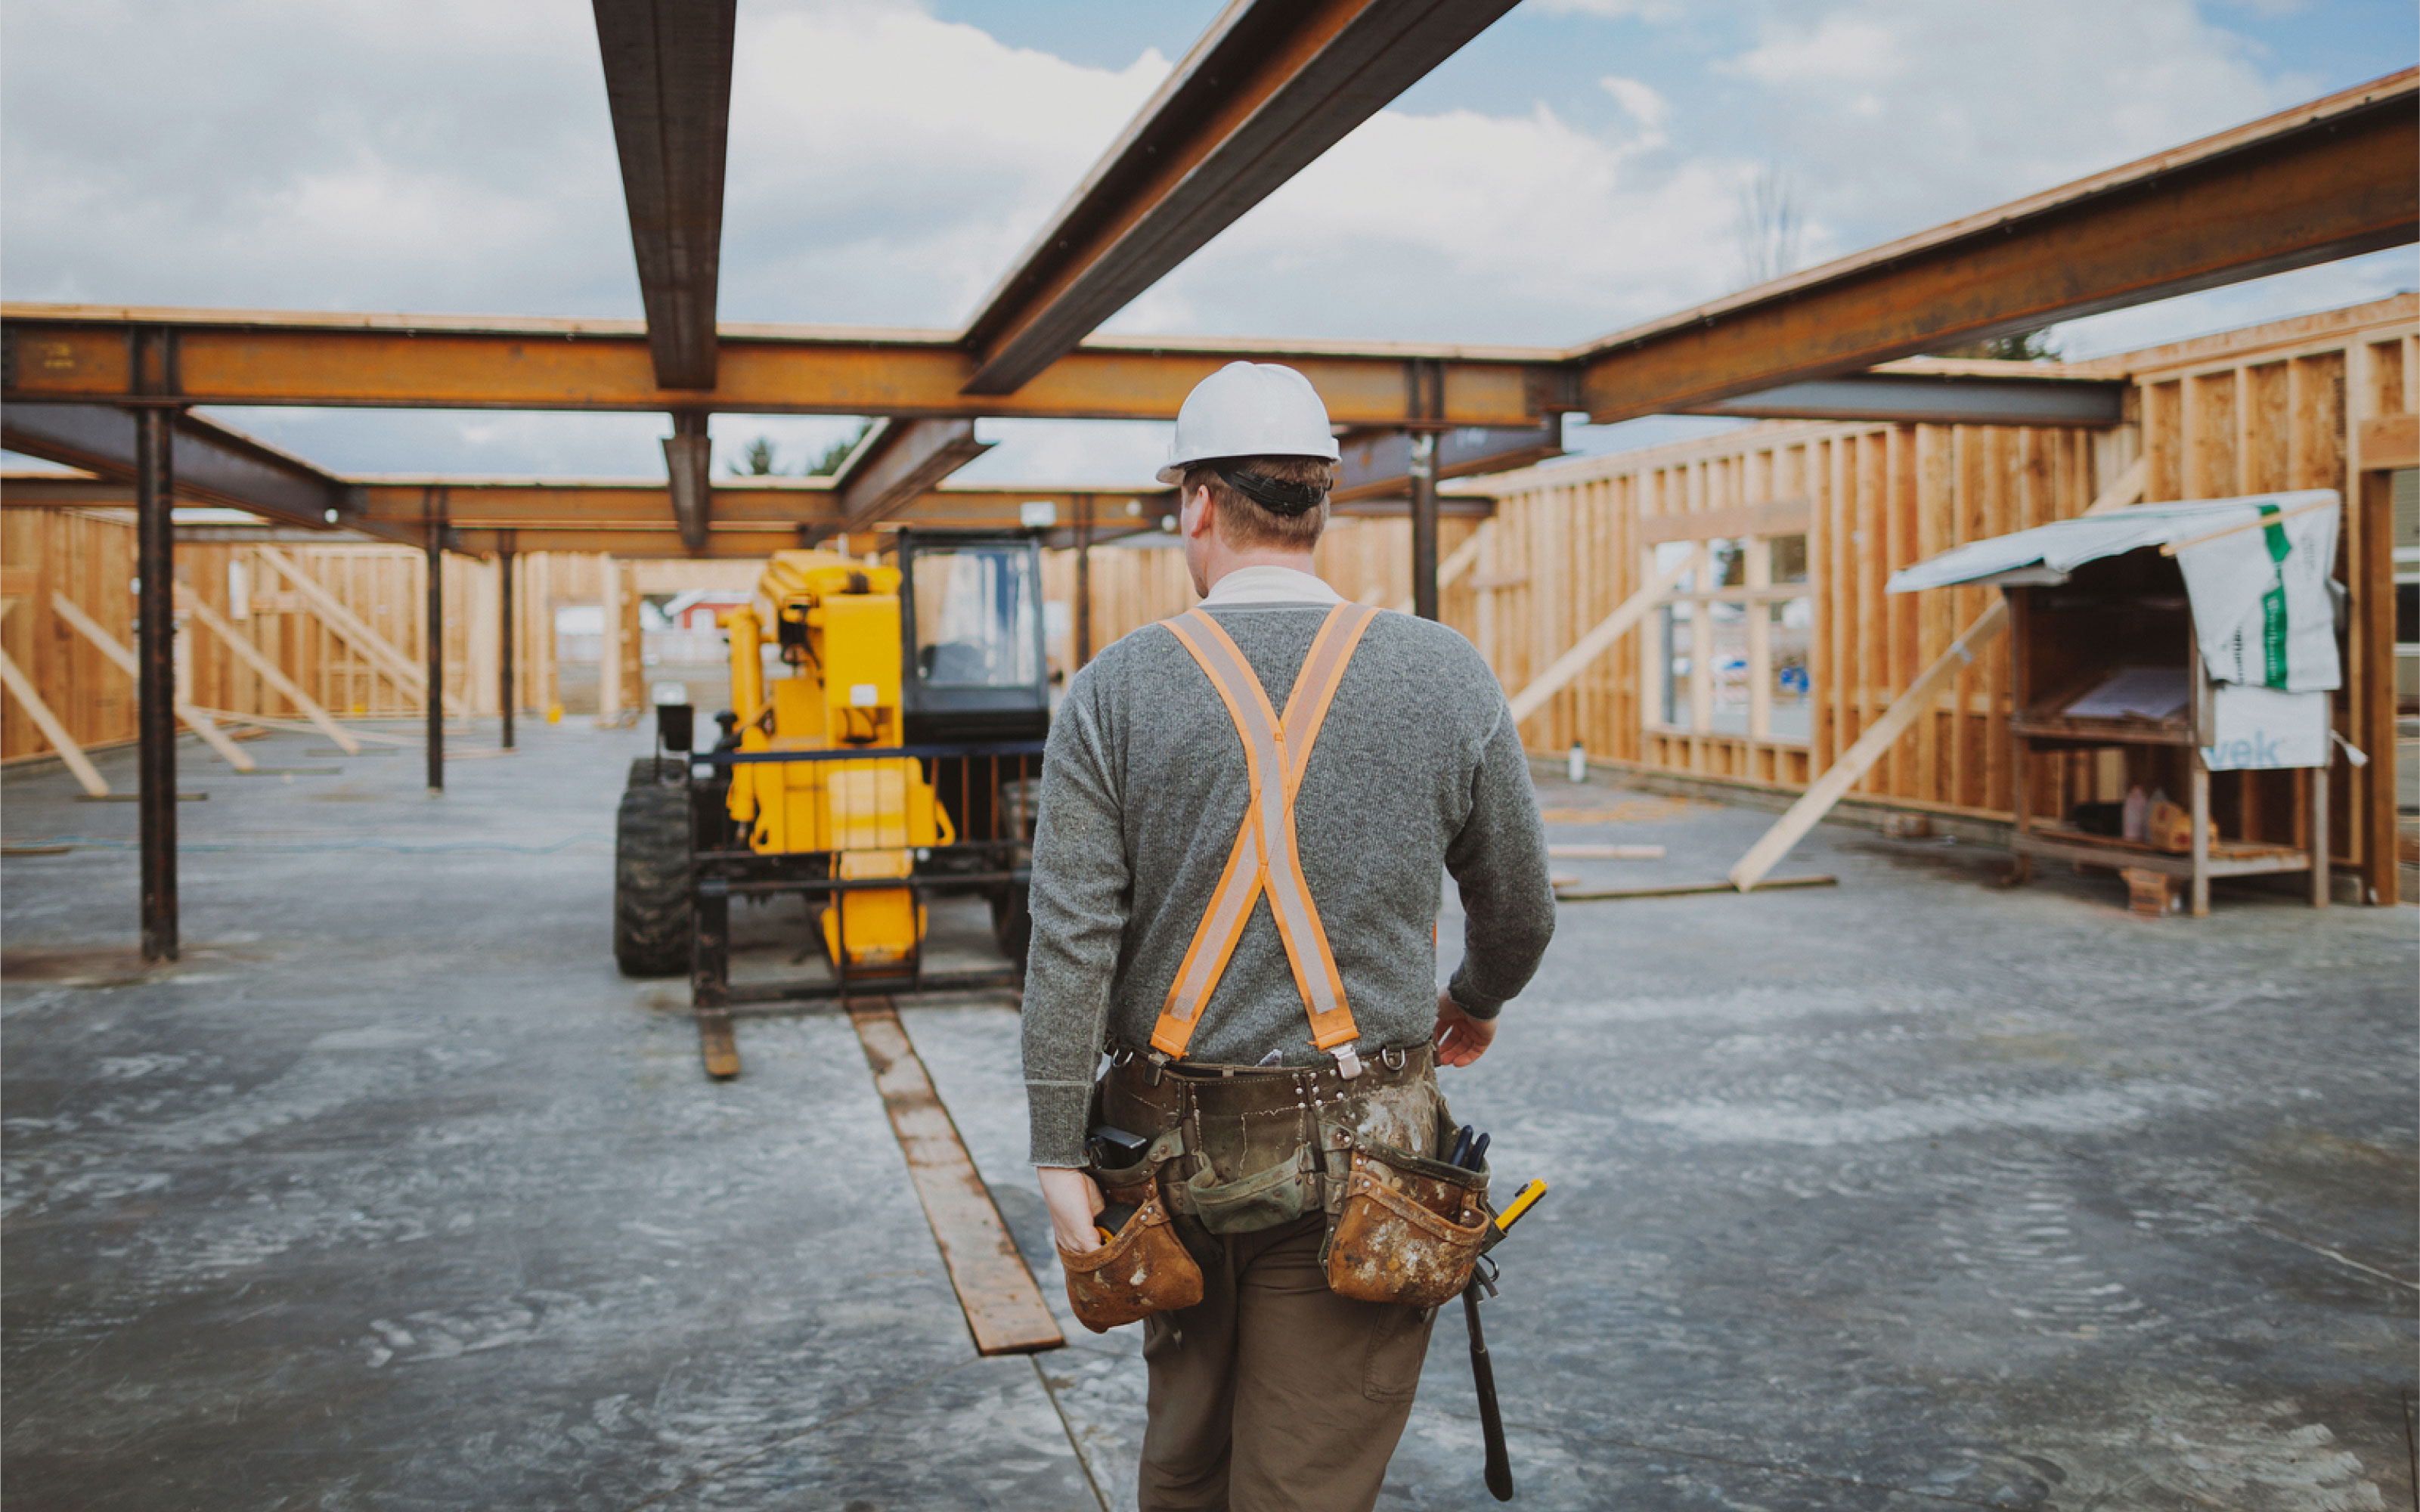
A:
[2272,604]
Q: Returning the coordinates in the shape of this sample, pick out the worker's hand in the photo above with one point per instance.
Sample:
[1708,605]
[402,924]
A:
[1460,1038]
[1073,1199]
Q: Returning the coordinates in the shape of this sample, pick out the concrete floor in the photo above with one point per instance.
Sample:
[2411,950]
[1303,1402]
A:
[1910,1193]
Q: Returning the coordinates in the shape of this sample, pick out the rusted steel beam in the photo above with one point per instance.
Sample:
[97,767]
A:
[625,541]
[1377,463]
[67,490]
[1269,88]
[215,466]
[53,351]
[668,83]
[898,461]
[1449,506]
[740,504]
[2332,178]
[2014,398]
[602,504]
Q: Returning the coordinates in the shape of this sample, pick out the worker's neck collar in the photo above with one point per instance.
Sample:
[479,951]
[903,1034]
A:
[1271,582]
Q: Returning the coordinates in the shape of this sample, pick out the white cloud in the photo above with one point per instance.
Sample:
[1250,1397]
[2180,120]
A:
[1643,104]
[1840,48]
[1654,13]
[886,166]
[428,154]
[1896,115]
[1118,453]
[1464,227]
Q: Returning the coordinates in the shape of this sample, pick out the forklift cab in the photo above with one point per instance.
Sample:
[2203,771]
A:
[971,615]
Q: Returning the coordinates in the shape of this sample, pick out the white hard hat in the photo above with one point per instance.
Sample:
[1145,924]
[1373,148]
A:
[1249,408]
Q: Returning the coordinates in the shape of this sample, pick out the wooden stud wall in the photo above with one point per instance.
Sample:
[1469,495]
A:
[1132,586]
[90,557]
[2286,406]
[2274,407]
[1570,542]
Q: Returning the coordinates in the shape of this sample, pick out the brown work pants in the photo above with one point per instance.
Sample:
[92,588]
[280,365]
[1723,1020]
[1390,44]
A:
[1274,1393]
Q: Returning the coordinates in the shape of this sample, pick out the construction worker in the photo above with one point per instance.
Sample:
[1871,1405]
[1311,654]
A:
[1246,818]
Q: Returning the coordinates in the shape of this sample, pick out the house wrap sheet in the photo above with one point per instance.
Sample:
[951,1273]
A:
[2262,611]
[2264,614]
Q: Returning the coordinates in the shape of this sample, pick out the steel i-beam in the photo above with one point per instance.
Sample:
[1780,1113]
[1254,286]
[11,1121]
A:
[1266,90]
[668,83]
[898,461]
[214,465]
[79,353]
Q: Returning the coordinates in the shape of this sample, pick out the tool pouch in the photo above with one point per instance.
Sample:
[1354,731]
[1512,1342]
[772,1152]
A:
[1264,1199]
[1410,1228]
[1144,1268]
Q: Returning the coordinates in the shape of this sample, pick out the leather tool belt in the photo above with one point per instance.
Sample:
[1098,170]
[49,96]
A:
[1237,1149]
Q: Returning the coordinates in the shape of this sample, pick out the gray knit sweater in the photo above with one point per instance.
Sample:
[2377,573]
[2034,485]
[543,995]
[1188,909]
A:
[1417,771]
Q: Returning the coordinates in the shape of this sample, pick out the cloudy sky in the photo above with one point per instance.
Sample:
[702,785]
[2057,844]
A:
[1578,168]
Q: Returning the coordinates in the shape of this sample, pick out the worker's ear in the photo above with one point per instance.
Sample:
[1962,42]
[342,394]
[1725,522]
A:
[1197,513]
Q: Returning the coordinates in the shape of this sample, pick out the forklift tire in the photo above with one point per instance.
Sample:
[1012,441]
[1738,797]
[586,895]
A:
[651,872]
[649,769]
[1011,923]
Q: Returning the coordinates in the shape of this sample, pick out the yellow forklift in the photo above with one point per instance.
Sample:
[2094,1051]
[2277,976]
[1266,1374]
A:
[890,756]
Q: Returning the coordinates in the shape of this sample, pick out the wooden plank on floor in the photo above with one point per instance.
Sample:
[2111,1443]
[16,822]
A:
[1004,1305]
[1595,894]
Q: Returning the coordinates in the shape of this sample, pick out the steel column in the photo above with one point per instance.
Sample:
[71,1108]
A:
[504,656]
[1424,525]
[1269,88]
[155,638]
[1083,580]
[689,473]
[433,637]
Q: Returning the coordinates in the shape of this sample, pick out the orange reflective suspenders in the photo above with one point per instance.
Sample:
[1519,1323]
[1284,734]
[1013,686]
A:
[1264,858]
